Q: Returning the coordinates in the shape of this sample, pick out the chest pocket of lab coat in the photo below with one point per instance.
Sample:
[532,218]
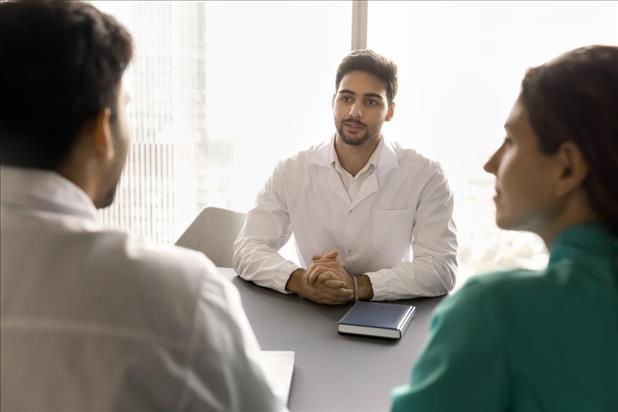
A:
[392,233]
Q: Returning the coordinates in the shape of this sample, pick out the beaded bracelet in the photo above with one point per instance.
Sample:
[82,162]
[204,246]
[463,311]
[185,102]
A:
[355,288]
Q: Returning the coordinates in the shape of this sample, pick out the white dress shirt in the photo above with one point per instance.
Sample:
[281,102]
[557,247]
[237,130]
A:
[95,320]
[403,203]
[352,184]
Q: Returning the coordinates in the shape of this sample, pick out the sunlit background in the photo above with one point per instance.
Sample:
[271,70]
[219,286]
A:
[220,91]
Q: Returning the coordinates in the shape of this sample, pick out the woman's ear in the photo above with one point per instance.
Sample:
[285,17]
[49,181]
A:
[574,169]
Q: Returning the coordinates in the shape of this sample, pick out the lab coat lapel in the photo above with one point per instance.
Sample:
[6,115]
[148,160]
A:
[336,185]
[322,158]
[370,186]
[387,161]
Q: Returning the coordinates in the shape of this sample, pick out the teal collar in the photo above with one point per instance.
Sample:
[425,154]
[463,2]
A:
[588,238]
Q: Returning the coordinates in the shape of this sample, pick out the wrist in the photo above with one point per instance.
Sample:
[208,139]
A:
[365,290]
[295,281]
[349,281]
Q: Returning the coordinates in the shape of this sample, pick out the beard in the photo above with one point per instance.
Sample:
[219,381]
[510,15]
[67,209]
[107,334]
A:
[108,198]
[370,133]
[111,183]
[355,141]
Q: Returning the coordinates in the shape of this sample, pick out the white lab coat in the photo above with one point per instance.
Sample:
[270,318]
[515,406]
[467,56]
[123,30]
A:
[94,319]
[405,204]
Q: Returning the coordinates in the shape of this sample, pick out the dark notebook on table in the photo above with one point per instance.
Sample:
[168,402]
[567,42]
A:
[384,320]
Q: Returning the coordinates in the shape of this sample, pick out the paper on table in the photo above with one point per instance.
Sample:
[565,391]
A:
[279,367]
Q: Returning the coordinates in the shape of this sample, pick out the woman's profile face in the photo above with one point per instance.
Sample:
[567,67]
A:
[525,177]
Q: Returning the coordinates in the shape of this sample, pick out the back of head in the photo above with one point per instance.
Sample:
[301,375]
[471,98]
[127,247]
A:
[575,98]
[373,63]
[62,63]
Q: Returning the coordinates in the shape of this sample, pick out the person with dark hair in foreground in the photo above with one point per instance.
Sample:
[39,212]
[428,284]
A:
[357,206]
[543,340]
[93,319]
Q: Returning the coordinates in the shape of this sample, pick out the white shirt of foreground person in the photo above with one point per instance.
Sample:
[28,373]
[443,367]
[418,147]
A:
[93,319]
[402,201]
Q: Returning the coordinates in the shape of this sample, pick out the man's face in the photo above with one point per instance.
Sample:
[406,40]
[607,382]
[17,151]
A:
[360,107]
[524,177]
[120,136]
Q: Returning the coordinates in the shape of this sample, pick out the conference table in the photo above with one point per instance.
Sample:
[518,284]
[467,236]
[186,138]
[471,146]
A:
[332,372]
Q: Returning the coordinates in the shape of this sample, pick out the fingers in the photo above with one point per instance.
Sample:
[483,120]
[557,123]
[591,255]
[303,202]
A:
[321,274]
[333,283]
[343,296]
[326,281]
[315,271]
[329,260]
[338,299]
[329,255]
[343,293]
[309,273]
[324,293]
[324,273]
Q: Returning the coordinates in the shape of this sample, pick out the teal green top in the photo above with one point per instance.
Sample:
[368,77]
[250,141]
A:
[527,340]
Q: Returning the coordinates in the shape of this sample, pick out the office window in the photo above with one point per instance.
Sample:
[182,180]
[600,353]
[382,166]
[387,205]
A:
[460,68]
[157,195]
[220,91]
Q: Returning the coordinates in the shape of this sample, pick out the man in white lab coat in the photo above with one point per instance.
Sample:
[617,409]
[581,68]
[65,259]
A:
[357,206]
[94,319]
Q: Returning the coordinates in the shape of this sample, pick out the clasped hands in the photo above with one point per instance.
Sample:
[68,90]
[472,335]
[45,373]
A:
[325,281]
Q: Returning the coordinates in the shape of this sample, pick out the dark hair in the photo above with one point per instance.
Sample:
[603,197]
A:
[373,63]
[62,63]
[575,98]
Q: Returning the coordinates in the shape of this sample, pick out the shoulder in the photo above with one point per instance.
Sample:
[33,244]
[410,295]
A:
[159,263]
[421,174]
[495,292]
[158,287]
[502,282]
[513,284]
[297,170]
[410,158]
[318,153]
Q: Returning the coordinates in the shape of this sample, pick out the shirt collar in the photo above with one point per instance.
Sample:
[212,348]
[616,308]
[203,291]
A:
[383,157]
[372,163]
[43,190]
[589,238]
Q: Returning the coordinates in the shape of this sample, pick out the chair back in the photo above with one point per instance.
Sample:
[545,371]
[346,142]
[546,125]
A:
[213,233]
